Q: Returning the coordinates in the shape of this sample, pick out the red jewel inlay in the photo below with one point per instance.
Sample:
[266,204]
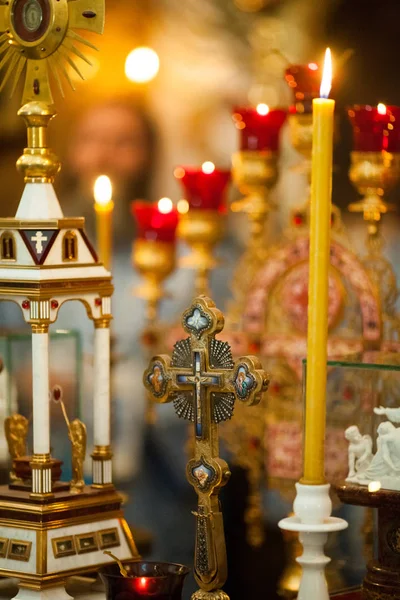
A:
[98,302]
[54,304]
[26,304]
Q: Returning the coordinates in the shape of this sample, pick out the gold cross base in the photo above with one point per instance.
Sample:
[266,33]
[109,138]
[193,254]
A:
[216,595]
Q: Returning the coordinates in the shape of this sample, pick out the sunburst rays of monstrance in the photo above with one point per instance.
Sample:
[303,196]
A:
[38,36]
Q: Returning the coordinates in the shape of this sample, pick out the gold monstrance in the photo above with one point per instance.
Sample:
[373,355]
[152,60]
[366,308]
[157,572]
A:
[49,531]
[204,382]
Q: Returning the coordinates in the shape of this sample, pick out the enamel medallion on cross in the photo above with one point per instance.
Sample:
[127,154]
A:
[203,381]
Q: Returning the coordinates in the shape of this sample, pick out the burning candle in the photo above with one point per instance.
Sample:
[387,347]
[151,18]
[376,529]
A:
[104,207]
[205,188]
[370,127]
[304,81]
[157,221]
[321,189]
[259,127]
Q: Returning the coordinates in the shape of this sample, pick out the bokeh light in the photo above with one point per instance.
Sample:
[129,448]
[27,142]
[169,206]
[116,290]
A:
[142,65]
[262,109]
[165,205]
[183,206]
[381,109]
[208,167]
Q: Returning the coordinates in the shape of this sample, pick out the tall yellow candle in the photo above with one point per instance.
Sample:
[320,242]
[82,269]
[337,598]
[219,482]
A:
[315,411]
[104,207]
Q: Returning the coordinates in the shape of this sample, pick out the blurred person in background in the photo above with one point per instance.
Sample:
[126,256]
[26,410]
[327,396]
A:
[116,139]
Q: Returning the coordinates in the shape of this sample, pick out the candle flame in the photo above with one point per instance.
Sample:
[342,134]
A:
[374,486]
[143,582]
[208,167]
[183,206]
[326,82]
[165,205]
[103,190]
[382,109]
[262,109]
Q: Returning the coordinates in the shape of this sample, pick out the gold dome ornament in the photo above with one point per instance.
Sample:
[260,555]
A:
[38,35]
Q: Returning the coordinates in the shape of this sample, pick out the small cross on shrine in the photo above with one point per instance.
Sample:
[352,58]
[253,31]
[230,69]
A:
[39,238]
[203,381]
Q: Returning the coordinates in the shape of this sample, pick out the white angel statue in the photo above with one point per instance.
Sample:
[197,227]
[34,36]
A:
[360,453]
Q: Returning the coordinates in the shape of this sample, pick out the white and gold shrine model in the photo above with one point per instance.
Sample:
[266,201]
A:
[51,530]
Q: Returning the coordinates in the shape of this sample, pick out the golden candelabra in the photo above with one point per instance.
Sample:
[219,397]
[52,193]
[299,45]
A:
[255,173]
[155,260]
[202,230]
[373,175]
[301,128]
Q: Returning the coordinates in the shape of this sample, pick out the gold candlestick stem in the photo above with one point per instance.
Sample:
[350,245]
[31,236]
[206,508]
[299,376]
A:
[254,173]
[155,261]
[373,174]
[201,230]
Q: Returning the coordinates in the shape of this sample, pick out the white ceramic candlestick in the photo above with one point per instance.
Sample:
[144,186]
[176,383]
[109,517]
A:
[102,386]
[312,508]
[40,391]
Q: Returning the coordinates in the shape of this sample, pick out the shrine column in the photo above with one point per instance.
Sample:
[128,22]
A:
[102,455]
[41,464]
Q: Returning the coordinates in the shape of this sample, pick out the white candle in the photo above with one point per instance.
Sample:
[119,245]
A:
[40,386]
[101,407]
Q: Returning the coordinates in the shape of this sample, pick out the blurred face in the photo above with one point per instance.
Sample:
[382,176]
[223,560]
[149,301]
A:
[110,140]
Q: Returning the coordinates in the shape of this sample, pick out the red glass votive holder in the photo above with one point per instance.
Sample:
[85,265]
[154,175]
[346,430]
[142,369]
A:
[305,82]
[146,580]
[259,127]
[153,224]
[393,137]
[370,127]
[205,187]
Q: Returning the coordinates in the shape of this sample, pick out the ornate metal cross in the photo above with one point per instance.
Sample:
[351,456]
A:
[203,381]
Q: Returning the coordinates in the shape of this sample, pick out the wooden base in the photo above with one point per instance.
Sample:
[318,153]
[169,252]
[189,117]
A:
[43,542]
[382,581]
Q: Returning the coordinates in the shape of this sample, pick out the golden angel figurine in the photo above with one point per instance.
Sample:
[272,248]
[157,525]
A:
[77,435]
[16,430]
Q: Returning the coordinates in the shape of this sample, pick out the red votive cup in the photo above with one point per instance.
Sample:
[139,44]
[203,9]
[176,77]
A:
[154,223]
[146,580]
[370,127]
[305,82]
[204,187]
[393,137]
[259,127]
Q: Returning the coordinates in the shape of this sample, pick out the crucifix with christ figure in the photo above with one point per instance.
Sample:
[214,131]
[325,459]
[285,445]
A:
[203,381]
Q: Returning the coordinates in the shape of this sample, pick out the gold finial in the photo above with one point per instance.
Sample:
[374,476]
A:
[38,163]
[39,37]
[204,382]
